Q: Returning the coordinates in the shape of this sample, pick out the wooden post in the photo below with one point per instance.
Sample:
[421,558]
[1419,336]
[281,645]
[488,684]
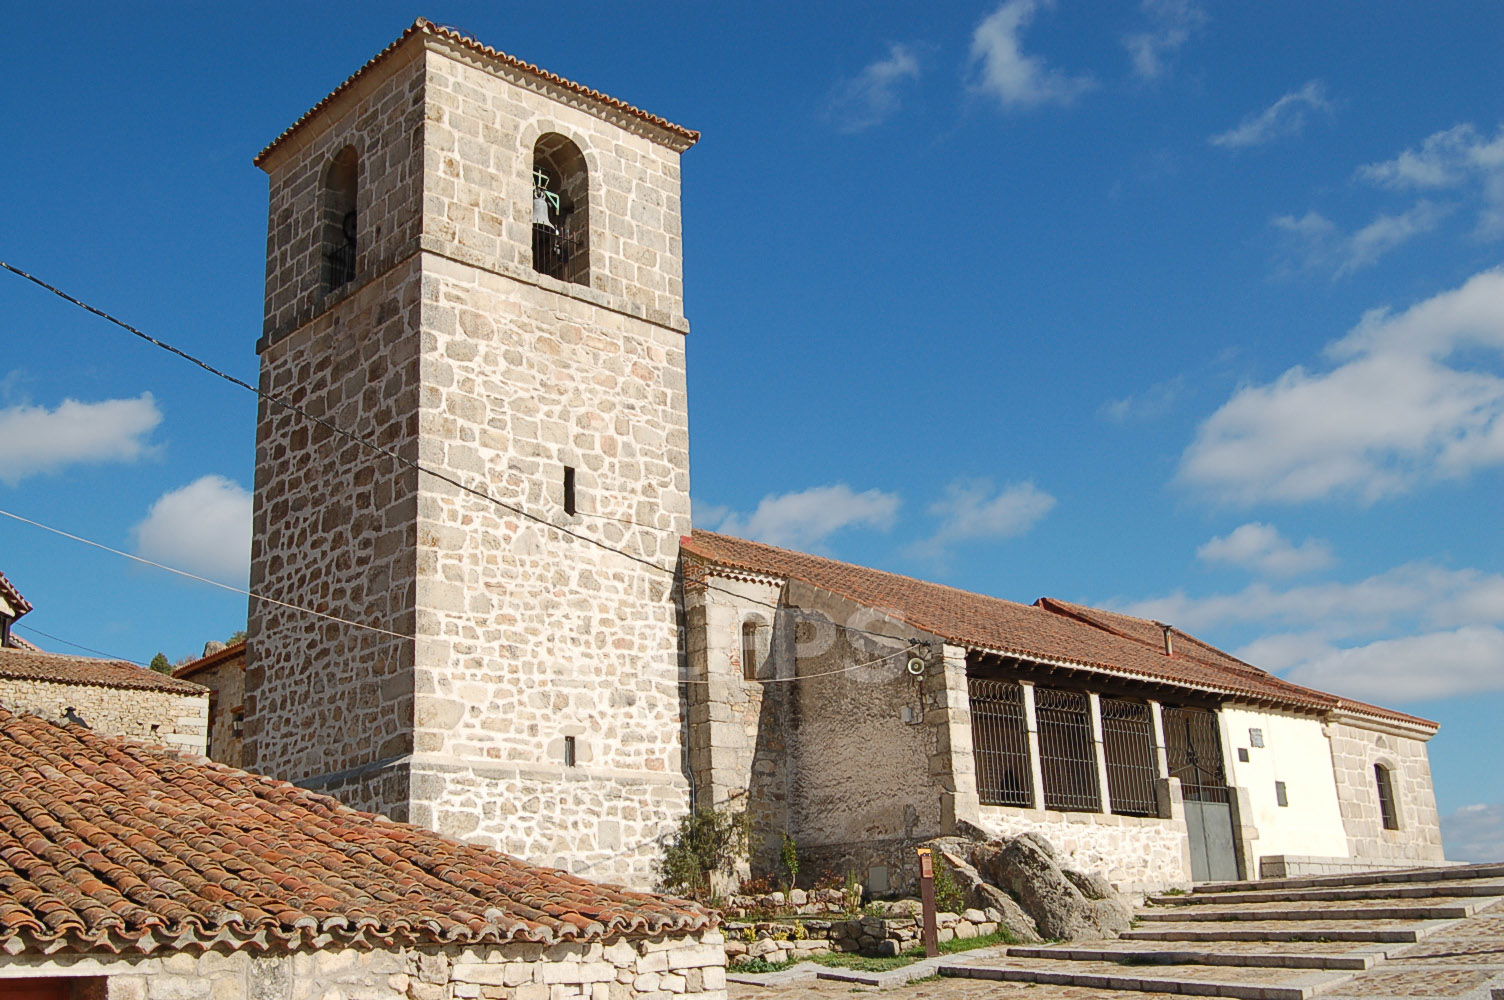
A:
[931,936]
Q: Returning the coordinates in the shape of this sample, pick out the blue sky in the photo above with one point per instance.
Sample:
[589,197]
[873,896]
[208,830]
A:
[1187,309]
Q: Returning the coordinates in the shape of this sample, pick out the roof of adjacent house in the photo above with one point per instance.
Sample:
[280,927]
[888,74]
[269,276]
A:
[13,596]
[424,26]
[235,650]
[59,668]
[106,843]
[1050,630]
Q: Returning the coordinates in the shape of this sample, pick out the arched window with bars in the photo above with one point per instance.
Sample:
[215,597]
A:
[561,210]
[340,221]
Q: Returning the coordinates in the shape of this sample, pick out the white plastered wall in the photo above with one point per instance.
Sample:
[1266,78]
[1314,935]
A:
[1297,752]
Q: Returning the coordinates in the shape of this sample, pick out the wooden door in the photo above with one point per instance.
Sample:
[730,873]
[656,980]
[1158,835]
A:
[36,989]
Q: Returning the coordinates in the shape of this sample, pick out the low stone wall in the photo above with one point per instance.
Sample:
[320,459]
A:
[1134,853]
[795,901]
[178,720]
[780,941]
[1293,865]
[623,969]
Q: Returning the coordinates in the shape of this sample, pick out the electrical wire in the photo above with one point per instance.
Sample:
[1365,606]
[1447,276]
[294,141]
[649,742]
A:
[76,645]
[380,450]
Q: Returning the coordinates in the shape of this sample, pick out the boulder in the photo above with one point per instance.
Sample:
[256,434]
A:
[1092,885]
[980,895]
[1026,867]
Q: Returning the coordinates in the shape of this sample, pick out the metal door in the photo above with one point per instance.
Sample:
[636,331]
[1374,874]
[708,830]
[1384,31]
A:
[1194,747]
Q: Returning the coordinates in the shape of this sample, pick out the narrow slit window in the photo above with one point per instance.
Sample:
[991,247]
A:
[569,490]
[340,222]
[1387,811]
[1281,796]
[750,659]
[569,751]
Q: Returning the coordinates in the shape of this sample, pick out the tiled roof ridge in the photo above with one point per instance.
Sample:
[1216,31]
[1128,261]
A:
[88,671]
[424,26]
[108,843]
[1227,674]
[870,569]
[13,597]
[214,659]
[1085,613]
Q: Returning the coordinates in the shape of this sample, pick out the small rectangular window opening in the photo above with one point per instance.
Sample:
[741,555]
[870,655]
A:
[1256,737]
[1242,755]
[569,507]
[1279,794]
[569,751]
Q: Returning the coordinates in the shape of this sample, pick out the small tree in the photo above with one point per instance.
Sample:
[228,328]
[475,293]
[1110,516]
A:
[708,842]
[788,855]
[235,637]
[161,664]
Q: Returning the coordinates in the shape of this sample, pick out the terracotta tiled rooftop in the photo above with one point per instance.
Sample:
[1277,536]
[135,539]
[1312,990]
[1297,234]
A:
[1050,631]
[687,137]
[108,843]
[13,597]
[232,651]
[34,665]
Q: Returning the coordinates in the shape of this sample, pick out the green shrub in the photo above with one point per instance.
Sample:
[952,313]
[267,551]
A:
[707,842]
[788,855]
[949,897]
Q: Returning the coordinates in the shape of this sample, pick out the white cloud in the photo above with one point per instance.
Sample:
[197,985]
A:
[1261,548]
[805,520]
[1155,401]
[1318,245]
[1285,117]
[34,439]
[1474,832]
[1170,25]
[1412,668]
[871,97]
[972,510]
[1414,632]
[204,528]
[1457,157]
[1015,78]
[1392,413]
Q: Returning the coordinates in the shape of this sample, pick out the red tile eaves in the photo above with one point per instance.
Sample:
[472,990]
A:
[424,26]
[109,844]
[61,668]
[13,596]
[1081,637]
[230,652]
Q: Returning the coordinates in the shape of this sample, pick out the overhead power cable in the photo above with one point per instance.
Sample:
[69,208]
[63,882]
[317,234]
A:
[379,449]
[76,645]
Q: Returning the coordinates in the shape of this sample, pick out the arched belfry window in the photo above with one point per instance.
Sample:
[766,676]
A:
[339,219]
[561,210]
[1388,814]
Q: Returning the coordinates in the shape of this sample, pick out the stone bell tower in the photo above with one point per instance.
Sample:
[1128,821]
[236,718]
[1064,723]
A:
[475,264]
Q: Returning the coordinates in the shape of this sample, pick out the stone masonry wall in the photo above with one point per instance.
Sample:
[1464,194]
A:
[1135,853]
[623,969]
[1356,748]
[538,708]
[178,720]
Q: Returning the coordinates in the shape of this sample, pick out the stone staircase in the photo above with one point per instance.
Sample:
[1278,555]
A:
[1285,939]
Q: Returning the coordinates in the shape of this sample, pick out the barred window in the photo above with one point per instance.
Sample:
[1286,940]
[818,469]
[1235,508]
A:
[1000,743]
[340,227]
[1066,756]
[1128,745]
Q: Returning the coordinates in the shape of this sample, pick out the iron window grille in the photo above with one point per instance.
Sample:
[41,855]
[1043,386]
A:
[1000,743]
[553,251]
[1067,759]
[1194,748]
[1128,745]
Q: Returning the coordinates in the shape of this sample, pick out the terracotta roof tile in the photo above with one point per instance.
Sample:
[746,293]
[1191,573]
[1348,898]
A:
[688,137]
[110,844]
[34,665]
[1052,631]
[230,652]
[13,596]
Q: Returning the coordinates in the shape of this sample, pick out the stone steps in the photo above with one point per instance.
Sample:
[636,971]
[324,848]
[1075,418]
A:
[1378,931]
[1217,954]
[1451,888]
[1184,980]
[1446,873]
[1448,909]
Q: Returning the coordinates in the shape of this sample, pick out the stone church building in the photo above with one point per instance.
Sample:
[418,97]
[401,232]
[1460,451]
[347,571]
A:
[474,267]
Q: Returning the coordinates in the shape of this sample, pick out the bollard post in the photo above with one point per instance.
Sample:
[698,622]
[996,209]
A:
[930,936]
